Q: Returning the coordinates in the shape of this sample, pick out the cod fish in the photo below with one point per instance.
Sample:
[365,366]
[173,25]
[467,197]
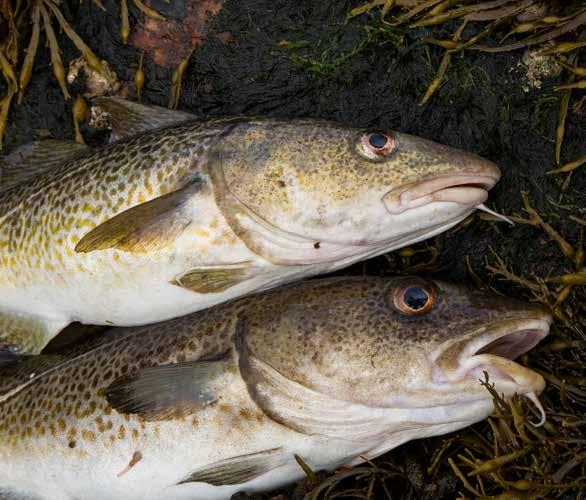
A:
[201,407]
[176,217]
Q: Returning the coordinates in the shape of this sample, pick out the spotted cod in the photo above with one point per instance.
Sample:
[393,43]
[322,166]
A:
[178,215]
[334,371]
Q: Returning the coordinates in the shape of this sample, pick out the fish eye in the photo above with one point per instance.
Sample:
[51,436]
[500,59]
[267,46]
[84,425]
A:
[377,141]
[415,299]
[377,145]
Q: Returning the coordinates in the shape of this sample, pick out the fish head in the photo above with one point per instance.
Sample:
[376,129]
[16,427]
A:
[306,191]
[392,352]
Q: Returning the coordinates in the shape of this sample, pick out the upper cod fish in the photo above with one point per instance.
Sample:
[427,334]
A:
[200,407]
[179,217]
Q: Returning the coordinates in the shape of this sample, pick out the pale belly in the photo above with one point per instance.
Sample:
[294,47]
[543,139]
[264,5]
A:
[147,296]
[164,454]
[155,476]
[118,288]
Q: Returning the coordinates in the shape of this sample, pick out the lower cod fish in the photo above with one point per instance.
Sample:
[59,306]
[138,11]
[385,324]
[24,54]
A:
[334,371]
[178,215]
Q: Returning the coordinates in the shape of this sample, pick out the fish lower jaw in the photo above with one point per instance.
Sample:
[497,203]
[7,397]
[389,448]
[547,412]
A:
[507,376]
[459,371]
[469,384]
[469,190]
[492,350]
[492,356]
[509,379]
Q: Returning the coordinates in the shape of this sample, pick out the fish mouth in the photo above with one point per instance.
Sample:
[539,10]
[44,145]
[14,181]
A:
[495,351]
[492,351]
[469,190]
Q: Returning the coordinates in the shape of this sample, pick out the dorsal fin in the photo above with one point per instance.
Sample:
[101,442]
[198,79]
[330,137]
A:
[129,118]
[25,368]
[35,158]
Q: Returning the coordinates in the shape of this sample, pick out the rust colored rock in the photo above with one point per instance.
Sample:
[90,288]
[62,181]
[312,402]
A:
[169,41]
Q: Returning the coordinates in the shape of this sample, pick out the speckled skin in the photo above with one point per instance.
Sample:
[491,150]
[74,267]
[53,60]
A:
[42,221]
[344,340]
[285,199]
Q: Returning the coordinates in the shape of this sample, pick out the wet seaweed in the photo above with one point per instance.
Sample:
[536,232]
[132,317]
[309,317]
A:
[532,19]
[17,64]
[18,70]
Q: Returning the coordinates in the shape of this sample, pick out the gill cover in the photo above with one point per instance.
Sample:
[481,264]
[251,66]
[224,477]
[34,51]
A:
[305,410]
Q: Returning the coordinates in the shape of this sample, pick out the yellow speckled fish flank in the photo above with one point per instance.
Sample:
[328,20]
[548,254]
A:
[41,222]
[220,401]
[176,219]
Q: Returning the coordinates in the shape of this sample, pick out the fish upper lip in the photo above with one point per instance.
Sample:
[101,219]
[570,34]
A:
[511,330]
[467,189]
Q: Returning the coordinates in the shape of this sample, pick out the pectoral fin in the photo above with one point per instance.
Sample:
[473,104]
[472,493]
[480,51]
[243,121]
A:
[129,118]
[166,392]
[215,279]
[238,470]
[146,227]
[36,158]
[23,334]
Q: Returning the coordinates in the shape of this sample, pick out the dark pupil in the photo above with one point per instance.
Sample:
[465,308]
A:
[415,298]
[377,141]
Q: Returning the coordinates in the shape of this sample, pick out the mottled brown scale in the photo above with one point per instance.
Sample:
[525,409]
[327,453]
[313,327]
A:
[75,421]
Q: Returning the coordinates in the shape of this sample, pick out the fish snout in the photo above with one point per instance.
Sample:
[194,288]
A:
[490,354]
[471,164]
[458,177]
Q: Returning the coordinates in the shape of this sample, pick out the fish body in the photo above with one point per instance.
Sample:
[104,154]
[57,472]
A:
[179,217]
[43,221]
[221,401]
